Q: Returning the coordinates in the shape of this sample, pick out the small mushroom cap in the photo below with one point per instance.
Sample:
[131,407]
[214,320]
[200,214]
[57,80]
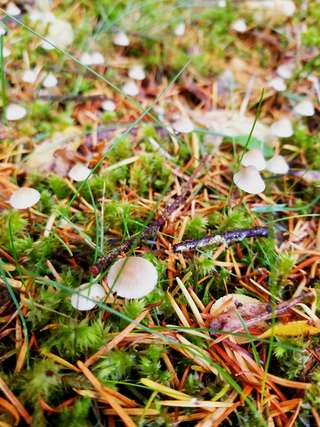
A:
[254,158]
[50,81]
[239,26]
[282,128]
[132,277]
[183,125]
[179,29]
[304,108]
[85,59]
[130,88]
[137,72]
[277,164]
[97,58]
[249,180]
[121,39]
[13,10]
[108,106]
[30,76]
[24,198]
[287,7]
[285,71]
[278,84]
[79,172]
[6,52]
[60,34]
[15,112]
[86,296]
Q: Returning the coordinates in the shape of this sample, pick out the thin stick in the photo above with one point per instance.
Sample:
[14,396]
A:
[152,228]
[223,238]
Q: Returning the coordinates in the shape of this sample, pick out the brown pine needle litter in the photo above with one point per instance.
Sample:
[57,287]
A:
[184,138]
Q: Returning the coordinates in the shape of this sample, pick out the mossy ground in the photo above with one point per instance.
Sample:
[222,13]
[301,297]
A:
[42,337]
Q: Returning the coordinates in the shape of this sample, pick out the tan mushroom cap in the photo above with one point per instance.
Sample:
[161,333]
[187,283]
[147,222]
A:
[282,128]
[79,172]
[254,158]
[50,81]
[137,72]
[183,125]
[24,198]
[132,277]
[108,105]
[249,180]
[130,88]
[15,112]
[121,39]
[179,29]
[304,108]
[277,164]
[86,296]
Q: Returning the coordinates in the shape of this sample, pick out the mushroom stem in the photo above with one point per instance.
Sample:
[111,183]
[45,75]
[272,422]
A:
[225,238]
[154,226]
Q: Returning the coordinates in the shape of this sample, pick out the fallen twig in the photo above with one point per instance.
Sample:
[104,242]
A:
[222,238]
[152,228]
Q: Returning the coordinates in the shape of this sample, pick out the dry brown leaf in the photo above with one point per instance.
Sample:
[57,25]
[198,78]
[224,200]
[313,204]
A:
[54,155]
[229,312]
[232,124]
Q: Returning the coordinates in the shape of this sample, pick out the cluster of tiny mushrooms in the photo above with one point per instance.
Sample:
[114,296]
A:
[134,276]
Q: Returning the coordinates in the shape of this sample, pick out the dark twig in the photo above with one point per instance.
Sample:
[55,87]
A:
[76,98]
[222,238]
[153,227]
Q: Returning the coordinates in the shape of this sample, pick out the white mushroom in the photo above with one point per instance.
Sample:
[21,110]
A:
[132,277]
[60,34]
[274,9]
[277,164]
[249,180]
[254,158]
[6,52]
[121,39]
[24,198]
[30,76]
[183,125]
[97,58]
[85,59]
[108,105]
[278,84]
[130,88]
[15,112]
[304,108]
[50,81]
[179,29]
[79,172]
[92,59]
[285,71]
[137,72]
[282,128]
[13,10]
[86,296]
[239,26]
[2,30]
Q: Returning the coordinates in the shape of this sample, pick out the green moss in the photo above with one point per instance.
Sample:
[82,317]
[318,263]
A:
[196,227]
[115,366]
[58,186]
[77,416]
[74,338]
[42,381]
